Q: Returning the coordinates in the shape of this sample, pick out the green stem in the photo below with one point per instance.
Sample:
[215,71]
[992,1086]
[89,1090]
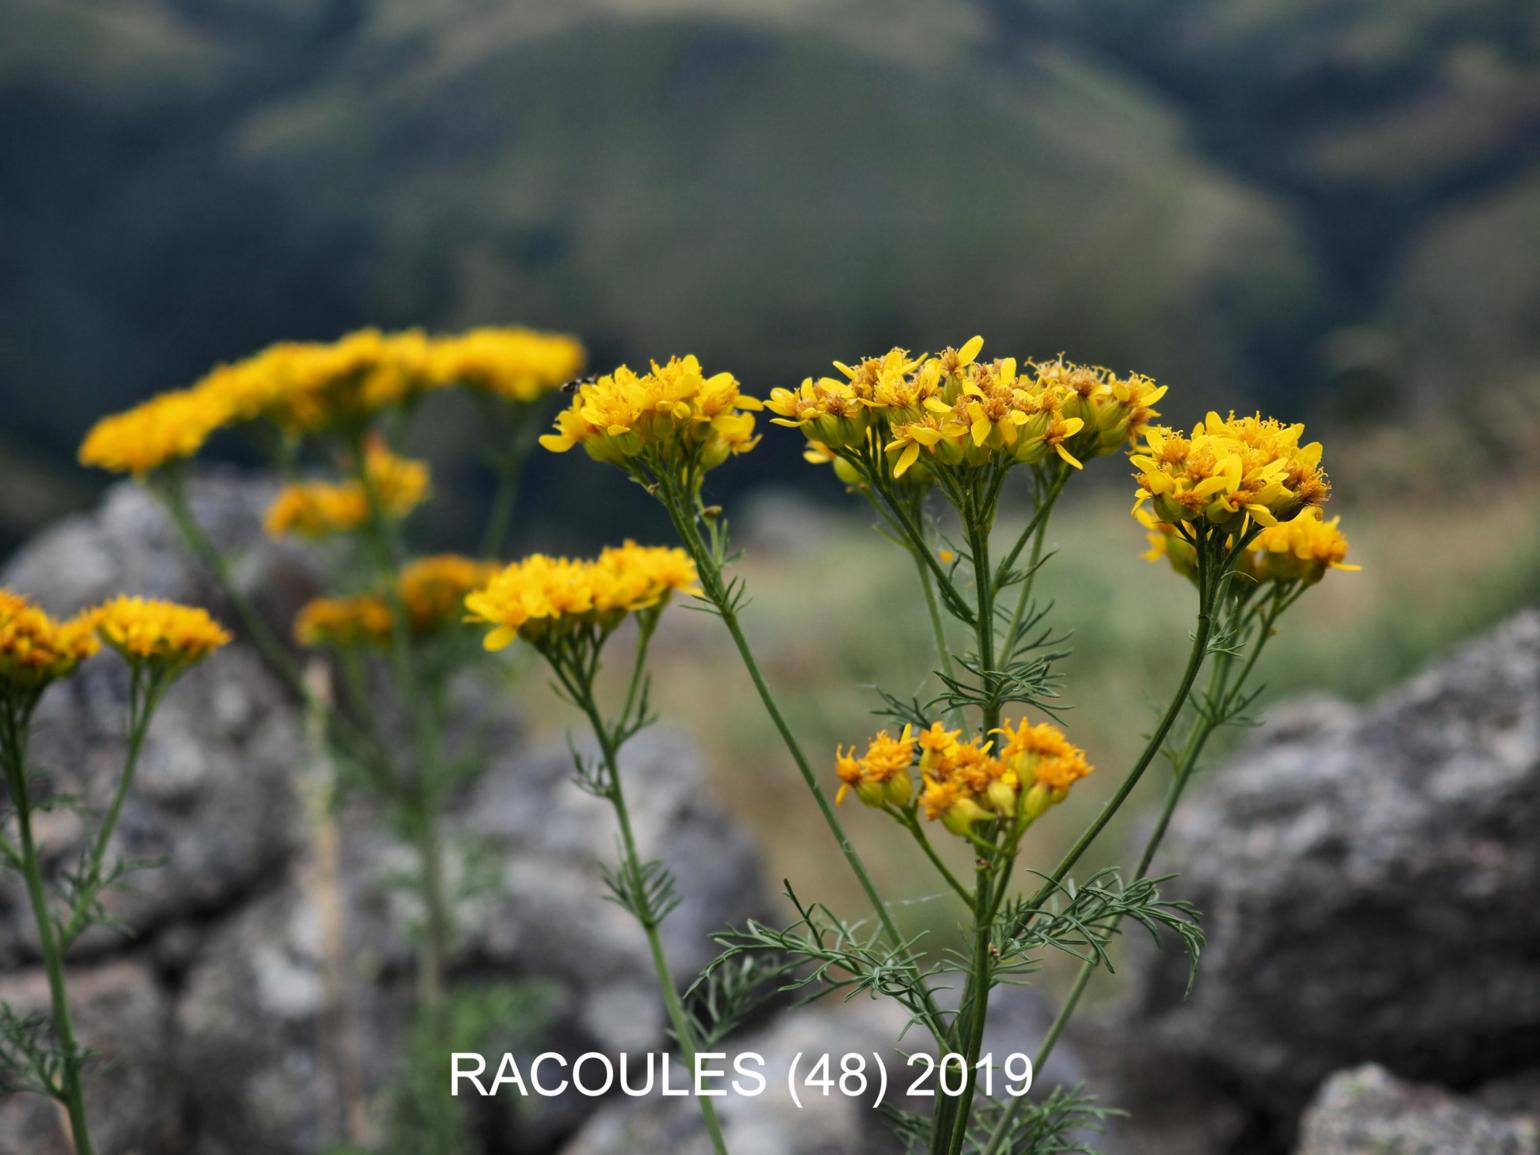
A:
[912,824]
[1222,694]
[143,695]
[421,701]
[684,1034]
[1152,747]
[1037,529]
[516,436]
[72,1092]
[710,573]
[174,495]
[951,1126]
[353,740]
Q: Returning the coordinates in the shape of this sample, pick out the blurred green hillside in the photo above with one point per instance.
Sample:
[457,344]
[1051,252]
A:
[1317,204]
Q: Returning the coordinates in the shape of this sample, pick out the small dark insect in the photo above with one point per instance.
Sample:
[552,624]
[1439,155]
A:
[577,383]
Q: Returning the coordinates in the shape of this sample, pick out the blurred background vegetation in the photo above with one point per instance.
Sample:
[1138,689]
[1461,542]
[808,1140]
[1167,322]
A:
[1326,208]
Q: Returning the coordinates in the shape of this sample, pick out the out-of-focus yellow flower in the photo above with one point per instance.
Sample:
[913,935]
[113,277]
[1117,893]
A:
[166,428]
[309,386]
[319,508]
[1302,549]
[1229,469]
[164,636]
[433,589]
[35,648]
[542,599]
[515,364]
[348,621]
[430,591]
[671,418]
[881,776]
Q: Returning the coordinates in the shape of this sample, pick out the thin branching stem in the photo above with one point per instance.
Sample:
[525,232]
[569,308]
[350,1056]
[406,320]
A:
[709,568]
[71,1090]
[578,682]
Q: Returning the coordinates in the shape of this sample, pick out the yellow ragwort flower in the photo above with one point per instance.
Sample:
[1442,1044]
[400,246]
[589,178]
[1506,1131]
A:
[542,599]
[319,508]
[433,589]
[346,621]
[515,364]
[430,591]
[881,776]
[953,410]
[965,782]
[167,428]
[672,417]
[1228,470]
[163,636]
[1299,550]
[1302,549]
[36,649]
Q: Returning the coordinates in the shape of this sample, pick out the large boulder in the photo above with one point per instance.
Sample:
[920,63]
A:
[1367,1111]
[1368,880]
[324,967]
[212,798]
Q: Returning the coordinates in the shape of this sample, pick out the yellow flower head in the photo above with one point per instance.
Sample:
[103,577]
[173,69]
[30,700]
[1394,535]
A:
[515,364]
[830,411]
[543,599]
[1229,469]
[672,417]
[166,428]
[36,649]
[915,414]
[319,508]
[433,589]
[431,592]
[309,386]
[163,636]
[1043,754]
[342,622]
[1112,410]
[1302,549]
[881,776]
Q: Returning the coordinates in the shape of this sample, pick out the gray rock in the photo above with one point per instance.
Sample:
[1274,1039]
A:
[1368,884]
[1367,1111]
[281,1032]
[212,799]
[132,1104]
[128,545]
[212,796]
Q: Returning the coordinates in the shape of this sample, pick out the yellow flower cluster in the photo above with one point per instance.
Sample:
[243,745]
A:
[162,635]
[306,386]
[964,782]
[1299,550]
[671,417]
[542,599]
[950,410]
[319,508]
[1302,549]
[170,427]
[1229,469]
[344,621]
[514,364]
[36,649]
[431,592]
